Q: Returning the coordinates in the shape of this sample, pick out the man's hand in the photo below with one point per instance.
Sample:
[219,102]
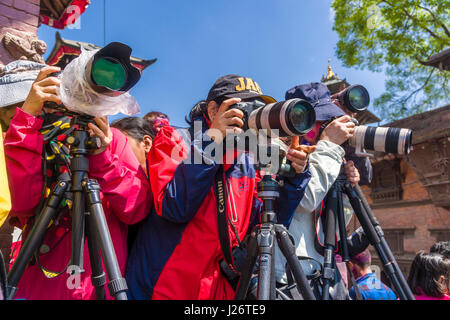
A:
[352,173]
[298,154]
[226,121]
[339,130]
[43,89]
[103,131]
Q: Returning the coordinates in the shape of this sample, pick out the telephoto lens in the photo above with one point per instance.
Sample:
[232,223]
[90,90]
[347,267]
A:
[382,139]
[110,71]
[292,117]
[354,98]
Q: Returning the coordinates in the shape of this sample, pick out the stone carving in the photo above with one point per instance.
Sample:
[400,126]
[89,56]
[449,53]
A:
[24,47]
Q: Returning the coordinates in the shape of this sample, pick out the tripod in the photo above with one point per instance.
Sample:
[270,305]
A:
[91,224]
[262,243]
[335,214]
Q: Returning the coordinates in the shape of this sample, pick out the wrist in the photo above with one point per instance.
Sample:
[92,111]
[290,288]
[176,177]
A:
[33,111]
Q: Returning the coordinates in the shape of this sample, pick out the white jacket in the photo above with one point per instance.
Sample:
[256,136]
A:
[324,165]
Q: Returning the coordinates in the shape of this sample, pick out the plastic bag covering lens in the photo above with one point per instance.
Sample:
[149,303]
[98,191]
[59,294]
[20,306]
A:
[109,73]
[78,96]
[301,117]
[358,98]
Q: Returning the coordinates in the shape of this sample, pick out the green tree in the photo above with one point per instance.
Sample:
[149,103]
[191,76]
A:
[398,35]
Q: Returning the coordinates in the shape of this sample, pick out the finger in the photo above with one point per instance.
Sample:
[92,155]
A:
[50,89]
[233,113]
[298,168]
[99,133]
[51,81]
[343,119]
[297,154]
[350,124]
[102,123]
[227,103]
[51,97]
[45,72]
[307,149]
[234,121]
[233,130]
[295,142]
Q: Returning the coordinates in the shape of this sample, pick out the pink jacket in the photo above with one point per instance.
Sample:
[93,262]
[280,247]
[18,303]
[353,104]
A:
[126,198]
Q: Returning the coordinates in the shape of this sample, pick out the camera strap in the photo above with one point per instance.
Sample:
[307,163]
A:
[219,188]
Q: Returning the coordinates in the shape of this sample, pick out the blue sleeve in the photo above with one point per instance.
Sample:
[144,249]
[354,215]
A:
[291,193]
[192,180]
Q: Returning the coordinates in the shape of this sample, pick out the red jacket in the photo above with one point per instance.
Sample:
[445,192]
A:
[177,249]
[126,198]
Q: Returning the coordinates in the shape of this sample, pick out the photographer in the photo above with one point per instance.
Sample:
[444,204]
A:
[324,164]
[157,119]
[125,193]
[178,250]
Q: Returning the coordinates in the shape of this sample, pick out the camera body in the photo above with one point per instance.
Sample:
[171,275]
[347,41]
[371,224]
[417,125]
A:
[247,108]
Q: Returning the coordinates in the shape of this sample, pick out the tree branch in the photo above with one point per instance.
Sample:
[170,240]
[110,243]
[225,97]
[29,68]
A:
[404,100]
[437,20]
[415,20]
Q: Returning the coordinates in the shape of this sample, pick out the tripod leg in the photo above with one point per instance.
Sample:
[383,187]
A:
[35,237]
[374,239]
[384,243]
[266,237]
[98,276]
[79,167]
[247,269]
[117,284]
[330,240]
[288,250]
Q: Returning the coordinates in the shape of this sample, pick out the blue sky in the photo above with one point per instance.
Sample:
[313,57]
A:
[279,44]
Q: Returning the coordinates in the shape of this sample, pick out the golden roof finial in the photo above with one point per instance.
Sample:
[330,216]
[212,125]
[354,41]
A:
[330,74]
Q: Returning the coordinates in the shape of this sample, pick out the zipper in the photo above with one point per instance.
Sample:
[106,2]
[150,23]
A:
[234,216]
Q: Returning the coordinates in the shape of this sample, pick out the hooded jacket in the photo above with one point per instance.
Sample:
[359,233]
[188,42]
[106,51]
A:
[126,199]
[177,250]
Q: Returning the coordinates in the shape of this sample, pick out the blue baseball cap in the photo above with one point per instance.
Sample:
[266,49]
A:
[319,96]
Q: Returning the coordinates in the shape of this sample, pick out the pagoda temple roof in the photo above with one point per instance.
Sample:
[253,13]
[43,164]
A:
[66,50]
[439,60]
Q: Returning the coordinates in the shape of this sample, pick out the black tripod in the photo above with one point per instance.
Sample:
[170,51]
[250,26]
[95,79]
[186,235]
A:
[262,243]
[335,215]
[91,224]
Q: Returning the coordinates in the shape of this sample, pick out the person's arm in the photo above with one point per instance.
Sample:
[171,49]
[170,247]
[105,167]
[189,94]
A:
[23,153]
[180,187]
[122,180]
[324,166]
[5,196]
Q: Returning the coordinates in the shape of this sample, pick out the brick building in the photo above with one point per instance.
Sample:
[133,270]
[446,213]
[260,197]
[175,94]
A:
[410,195]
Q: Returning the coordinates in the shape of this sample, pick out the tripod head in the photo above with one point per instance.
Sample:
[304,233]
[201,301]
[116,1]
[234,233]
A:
[80,141]
[268,191]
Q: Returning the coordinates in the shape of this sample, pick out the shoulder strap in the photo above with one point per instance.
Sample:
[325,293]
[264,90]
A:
[219,186]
